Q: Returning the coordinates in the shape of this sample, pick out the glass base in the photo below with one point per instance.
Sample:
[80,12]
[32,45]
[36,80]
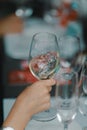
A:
[48,115]
[83,104]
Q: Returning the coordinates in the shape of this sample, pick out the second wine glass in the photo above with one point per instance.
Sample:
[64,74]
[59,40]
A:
[70,52]
[67,97]
[43,62]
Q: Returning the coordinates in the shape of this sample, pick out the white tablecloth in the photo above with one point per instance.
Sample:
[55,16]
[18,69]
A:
[77,124]
[51,125]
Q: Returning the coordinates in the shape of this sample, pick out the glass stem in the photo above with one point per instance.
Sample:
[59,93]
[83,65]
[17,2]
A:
[65,126]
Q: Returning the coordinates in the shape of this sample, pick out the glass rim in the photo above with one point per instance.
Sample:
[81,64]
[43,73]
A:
[64,36]
[36,35]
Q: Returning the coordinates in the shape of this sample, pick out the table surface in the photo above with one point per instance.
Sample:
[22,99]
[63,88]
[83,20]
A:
[52,125]
[77,124]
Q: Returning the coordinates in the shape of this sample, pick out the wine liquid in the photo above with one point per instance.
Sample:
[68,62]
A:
[44,66]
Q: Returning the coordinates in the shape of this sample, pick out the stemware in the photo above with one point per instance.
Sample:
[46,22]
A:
[43,62]
[83,85]
[67,97]
[70,52]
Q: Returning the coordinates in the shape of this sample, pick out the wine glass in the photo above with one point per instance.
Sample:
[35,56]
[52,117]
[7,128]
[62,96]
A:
[67,97]
[43,62]
[83,85]
[70,52]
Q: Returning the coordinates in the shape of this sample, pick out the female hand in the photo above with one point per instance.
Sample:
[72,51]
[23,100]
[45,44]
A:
[33,99]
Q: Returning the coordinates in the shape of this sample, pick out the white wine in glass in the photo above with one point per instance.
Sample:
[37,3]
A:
[43,63]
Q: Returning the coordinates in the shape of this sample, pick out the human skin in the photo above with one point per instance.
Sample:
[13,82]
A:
[33,99]
[10,24]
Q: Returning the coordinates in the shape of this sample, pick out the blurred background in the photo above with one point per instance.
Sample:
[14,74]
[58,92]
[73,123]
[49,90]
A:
[19,21]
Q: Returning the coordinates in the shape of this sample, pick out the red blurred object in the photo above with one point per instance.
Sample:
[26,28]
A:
[66,4]
[64,21]
[24,65]
[21,77]
[59,12]
[73,15]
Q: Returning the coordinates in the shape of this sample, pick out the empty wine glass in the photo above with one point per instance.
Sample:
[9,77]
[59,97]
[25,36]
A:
[83,85]
[67,97]
[43,62]
[70,52]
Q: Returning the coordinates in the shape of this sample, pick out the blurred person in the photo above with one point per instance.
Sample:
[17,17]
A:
[34,99]
[10,24]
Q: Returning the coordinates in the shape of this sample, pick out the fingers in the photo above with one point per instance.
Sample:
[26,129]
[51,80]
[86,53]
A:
[45,83]
[49,83]
[49,88]
[45,106]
